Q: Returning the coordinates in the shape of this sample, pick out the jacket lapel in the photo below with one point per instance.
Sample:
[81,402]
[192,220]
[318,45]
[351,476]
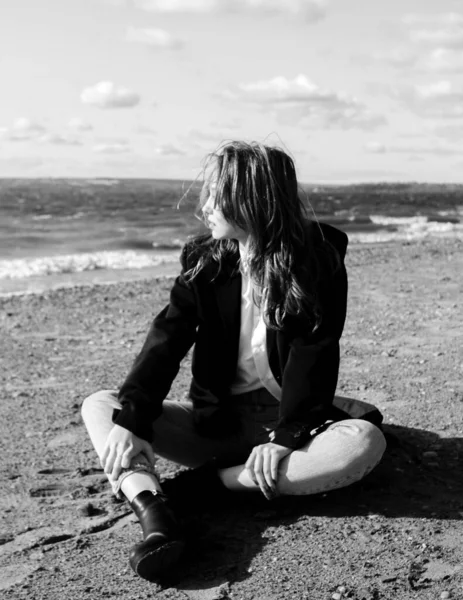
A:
[228,295]
[227,287]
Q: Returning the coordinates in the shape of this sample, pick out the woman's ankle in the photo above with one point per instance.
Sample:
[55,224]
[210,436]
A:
[237,479]
[140,481]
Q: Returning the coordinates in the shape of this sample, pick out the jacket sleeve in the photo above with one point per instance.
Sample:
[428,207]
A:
[311,371]
[171,335]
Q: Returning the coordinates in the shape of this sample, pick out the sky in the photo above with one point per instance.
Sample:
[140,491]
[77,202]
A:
[354,90]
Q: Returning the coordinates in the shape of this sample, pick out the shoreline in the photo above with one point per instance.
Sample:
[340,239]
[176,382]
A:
[43,284]
[39,285]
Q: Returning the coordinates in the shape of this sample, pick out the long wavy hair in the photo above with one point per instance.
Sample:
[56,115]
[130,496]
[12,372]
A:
[257,191]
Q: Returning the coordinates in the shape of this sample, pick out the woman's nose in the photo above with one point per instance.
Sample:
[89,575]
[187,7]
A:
[207,207]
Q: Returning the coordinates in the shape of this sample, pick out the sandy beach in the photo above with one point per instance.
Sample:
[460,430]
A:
[396,535]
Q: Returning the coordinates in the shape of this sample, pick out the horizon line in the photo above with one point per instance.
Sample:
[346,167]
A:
[319,183]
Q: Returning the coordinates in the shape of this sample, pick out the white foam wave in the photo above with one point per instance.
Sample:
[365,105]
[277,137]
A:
[75,263]
[456,212]
[413,228]
[404,228]
[42,217]
[398,221]
[174,243]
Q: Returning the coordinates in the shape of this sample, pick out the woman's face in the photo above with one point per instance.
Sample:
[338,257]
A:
[219,226]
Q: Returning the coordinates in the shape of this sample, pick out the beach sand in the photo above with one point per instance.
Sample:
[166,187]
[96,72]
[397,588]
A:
[396,535]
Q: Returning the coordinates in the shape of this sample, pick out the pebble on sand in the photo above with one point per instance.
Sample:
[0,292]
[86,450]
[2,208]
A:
[87,510]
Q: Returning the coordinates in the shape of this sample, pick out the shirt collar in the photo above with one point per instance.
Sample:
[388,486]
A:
[244,258]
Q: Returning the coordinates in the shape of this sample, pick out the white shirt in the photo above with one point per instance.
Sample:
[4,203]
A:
[253,369]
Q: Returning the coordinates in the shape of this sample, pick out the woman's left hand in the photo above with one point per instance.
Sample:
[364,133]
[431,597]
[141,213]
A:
[262,465]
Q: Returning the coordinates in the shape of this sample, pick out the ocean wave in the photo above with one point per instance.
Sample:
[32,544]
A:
[75,263]
[42,217]
[408,228]
[172,245]
[417,221]
[398,221]
[140,254]
[59,218]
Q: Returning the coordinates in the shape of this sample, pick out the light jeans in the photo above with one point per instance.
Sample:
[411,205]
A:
[342,453]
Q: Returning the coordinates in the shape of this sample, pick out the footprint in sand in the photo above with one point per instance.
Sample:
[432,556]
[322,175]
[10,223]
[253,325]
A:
[51,489]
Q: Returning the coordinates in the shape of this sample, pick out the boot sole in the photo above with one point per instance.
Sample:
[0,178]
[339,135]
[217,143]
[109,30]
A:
[151,563]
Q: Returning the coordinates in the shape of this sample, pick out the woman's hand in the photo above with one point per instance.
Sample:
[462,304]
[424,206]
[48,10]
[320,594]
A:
[121,446]
[262,465]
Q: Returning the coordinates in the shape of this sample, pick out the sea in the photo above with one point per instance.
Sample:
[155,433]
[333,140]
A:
[68,232]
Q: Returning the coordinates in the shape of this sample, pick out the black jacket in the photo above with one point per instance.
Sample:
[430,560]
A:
[206,312]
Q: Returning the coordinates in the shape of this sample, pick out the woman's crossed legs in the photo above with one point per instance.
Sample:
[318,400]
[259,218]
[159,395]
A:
[343,453]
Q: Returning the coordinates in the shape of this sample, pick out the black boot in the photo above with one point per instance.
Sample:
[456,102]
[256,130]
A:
[209,491]
[162,544]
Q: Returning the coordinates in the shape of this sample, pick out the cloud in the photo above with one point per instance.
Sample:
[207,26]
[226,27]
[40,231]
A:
[433,149]
[300,99]
[280,89]
[111,148]
[453,132]
[145,129]
[435,100]
[399,58]
[59,140]
[203,135]
[25,124]
[174,6]
[356,116]
[444,60]
[310,10]
[205,141]
[77,124]
[436,61]
[440,89]
[169,150]
[445,30]
[232,123]
[443,19]
[23,129]
[437,44]
[107,94]
[155,38]
[375,147]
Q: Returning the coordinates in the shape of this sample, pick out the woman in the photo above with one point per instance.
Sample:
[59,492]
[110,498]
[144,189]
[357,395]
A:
[263,300]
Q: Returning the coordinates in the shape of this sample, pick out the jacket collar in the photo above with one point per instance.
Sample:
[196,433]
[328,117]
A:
[229,269]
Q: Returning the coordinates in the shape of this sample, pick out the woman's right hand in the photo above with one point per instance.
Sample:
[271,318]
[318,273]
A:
[121,446]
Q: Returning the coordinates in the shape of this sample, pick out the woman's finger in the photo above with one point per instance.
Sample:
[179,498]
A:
[267,471]
[104,456]
[258,464]
[108,467]
[127,457]
[250,460]
[149,453]
[116,470]
[250,466]
[274,468]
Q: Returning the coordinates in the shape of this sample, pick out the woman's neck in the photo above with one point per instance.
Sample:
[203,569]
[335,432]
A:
[243,245]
